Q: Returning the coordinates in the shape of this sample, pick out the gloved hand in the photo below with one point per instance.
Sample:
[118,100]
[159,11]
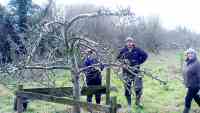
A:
[134,62]
[126,61]
[102,67]
[198,93]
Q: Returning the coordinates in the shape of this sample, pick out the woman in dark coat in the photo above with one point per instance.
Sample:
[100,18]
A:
[93,75]
[191,79]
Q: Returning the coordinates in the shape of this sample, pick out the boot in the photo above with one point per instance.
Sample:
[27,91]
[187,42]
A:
[129,108]
[186,110]
[138,101]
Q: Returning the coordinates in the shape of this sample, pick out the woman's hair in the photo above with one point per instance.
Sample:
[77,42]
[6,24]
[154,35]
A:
[190,50]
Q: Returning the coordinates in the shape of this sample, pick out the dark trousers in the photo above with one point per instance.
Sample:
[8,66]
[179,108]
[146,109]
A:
[97,98]
[94,80]
[192,94]
[138,86]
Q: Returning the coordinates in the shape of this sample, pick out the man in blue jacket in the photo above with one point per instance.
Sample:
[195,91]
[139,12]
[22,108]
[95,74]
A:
[134,57]
[93,75]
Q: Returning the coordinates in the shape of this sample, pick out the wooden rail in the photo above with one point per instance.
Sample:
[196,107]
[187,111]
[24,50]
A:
[59,100]
[64,95]
[67,91]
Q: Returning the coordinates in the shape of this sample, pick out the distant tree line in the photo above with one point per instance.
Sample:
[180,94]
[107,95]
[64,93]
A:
[20,26]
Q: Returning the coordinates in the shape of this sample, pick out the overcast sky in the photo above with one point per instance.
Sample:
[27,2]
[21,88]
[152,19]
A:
[171,12]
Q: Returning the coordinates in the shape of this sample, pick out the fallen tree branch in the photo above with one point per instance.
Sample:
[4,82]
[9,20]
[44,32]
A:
[129,68]
[45,67]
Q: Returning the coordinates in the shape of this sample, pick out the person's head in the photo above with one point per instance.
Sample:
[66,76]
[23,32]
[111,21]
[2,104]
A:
[190,54]
[130,42]
[88,51]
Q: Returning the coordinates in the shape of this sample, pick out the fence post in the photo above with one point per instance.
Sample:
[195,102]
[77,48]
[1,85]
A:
[76,91]
[113,105]
[19,100]
[108,71]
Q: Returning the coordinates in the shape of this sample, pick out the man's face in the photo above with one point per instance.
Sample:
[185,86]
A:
[190,56]
[89,53]
[130,44]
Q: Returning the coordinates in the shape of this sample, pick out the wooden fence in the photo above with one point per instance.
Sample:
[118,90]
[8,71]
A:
[64,95]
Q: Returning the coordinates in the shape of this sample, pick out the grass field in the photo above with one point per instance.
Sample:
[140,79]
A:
[156,98]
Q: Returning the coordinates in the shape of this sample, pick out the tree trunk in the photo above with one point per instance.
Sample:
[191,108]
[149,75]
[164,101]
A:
[76,92]
[108,86]
[76,88]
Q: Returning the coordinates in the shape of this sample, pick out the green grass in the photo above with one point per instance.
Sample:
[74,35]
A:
[156,98]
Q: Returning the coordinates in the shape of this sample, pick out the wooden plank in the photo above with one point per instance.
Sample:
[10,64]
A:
[93,90]
[114,105]
[76,88]
[67,91]
[20,87]
[19,101]
[46,67]
[61,100]
[59,92]
[108,86]
[19,105]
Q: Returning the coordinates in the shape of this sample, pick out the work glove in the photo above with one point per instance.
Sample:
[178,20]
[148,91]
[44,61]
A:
[126,61]
[198,93]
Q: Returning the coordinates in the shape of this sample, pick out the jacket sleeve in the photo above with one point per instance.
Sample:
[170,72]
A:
[142,56]
[120,55]
[89,62]
[101,66]
[198,72]
[193,75]
[86,62]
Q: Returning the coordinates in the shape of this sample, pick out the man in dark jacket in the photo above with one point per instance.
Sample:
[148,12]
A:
[191,79]
[93,75]
[134,57]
